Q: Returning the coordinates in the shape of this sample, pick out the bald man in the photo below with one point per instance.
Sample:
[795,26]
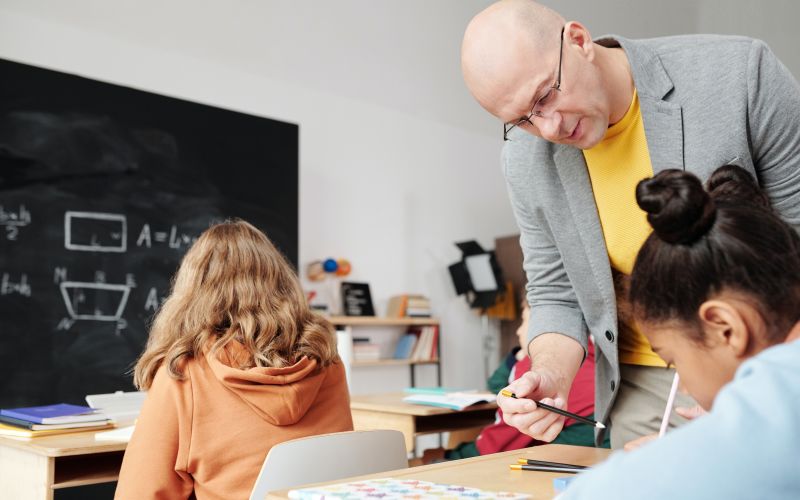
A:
[584,120]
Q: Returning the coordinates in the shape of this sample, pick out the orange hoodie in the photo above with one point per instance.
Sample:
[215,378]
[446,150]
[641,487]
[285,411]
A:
[209,434]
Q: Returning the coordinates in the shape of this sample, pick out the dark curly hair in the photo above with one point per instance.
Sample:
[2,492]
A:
[705,240]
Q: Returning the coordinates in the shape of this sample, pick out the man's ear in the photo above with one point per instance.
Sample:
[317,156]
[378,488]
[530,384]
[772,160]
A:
[576,34]
[724,324]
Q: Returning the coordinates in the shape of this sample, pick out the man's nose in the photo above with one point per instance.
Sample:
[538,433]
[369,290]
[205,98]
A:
[550,127]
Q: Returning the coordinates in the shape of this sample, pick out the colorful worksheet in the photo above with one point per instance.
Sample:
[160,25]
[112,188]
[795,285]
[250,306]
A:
[390,489]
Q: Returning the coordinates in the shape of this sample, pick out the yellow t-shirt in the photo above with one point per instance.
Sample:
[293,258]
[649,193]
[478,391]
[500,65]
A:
[616,165]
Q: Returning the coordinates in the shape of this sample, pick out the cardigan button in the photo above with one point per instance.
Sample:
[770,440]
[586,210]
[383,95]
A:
[613,385]
[609,336]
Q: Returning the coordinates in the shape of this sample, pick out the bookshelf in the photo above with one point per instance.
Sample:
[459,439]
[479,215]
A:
[355,322]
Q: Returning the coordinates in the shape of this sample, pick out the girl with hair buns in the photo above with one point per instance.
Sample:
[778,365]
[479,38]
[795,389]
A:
[716,290]
[235,363]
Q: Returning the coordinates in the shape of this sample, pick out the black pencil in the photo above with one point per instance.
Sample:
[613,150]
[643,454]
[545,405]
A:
[565,413]
[530,461]
[544,468]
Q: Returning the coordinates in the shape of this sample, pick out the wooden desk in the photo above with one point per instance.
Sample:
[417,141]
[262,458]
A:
[490,472]
[388,411]
[33,469]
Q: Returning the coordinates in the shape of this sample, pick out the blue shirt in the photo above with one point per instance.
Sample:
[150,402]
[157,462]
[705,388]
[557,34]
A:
[747,447]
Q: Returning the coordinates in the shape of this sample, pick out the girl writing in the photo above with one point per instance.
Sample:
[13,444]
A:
[716,290]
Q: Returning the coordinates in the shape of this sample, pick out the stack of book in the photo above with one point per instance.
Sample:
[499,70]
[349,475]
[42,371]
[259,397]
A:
[365,350]
[408,306]
[418,307]
[52,419]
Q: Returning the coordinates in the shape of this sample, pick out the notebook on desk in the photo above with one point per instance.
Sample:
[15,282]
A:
[451,400]
[55,414]
[16,432]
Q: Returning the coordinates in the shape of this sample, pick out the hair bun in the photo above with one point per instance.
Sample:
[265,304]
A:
[733,184]
[677,206]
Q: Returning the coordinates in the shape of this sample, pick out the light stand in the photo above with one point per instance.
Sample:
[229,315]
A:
[478,277]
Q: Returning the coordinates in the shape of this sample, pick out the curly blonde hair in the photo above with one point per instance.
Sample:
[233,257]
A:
[234,285]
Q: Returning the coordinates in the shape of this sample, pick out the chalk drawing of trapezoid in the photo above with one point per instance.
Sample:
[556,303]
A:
[95,231]
[94,301]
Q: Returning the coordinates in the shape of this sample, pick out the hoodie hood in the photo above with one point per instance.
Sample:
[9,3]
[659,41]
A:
[281,396]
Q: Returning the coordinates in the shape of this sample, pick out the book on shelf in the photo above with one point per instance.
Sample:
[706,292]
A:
[418,307]
[366,352]
[418,313]
[408,306]
[426,348]
[55,414]
[16,432]
[405,346]
[451,400]
[396,308]
[419,347]
[435,343]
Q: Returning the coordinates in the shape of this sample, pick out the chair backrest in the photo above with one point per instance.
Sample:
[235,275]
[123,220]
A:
[328,457]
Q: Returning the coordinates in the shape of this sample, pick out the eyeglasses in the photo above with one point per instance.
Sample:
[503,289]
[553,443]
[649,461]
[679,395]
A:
[542,101]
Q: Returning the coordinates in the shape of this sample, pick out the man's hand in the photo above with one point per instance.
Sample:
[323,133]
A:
[555,359]
[523,414]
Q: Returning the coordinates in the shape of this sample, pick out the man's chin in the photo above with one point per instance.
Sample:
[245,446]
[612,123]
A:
[589,139]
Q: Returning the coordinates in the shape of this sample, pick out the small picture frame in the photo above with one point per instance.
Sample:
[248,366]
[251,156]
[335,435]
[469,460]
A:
[356,299]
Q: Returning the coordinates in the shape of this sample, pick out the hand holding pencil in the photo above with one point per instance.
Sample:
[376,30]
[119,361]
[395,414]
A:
[524,414]
[559,411]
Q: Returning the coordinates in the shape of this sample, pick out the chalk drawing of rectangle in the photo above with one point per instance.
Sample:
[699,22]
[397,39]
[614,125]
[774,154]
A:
[102,293]
[95,232]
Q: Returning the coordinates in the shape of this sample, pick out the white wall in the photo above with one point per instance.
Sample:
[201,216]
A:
[774,21]
[396,160]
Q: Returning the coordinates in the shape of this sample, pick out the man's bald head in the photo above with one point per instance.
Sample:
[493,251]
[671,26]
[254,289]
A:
[506,37]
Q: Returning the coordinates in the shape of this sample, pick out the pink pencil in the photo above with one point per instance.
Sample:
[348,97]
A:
[670,402]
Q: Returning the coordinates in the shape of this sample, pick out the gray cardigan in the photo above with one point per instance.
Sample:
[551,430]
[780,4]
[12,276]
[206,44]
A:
[706,101]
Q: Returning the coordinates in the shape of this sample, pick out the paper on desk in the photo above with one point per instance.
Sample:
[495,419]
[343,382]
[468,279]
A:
[391,488]
[121,434]
[121,407]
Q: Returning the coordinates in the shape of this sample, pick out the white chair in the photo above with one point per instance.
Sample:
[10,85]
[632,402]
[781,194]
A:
[328,457]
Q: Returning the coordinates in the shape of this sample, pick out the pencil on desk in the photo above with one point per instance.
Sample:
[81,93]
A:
[544,468]
[531,461]
[594,423]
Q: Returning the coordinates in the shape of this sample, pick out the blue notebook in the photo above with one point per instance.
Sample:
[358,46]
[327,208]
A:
[405,346]
[54,414]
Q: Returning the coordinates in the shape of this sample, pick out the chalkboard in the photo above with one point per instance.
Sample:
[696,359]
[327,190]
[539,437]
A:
[102,189]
